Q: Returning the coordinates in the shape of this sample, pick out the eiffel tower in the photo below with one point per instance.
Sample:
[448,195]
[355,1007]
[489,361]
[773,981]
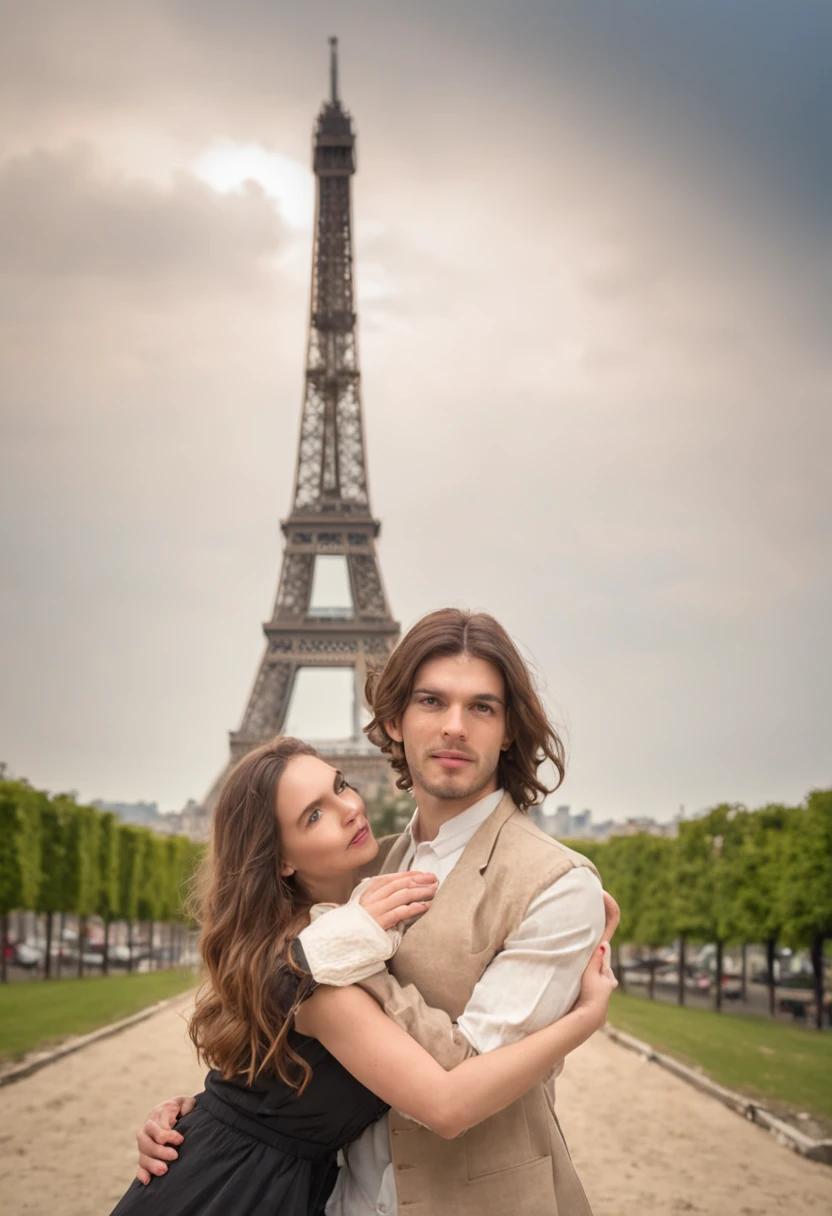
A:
[330,513]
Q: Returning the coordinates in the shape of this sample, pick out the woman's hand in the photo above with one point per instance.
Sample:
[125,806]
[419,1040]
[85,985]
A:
[597,986]
[392,898]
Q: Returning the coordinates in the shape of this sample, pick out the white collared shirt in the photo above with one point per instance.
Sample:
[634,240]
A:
[532,982]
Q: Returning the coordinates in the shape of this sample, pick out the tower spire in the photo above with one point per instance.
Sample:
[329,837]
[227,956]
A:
[333,70]
[330,514]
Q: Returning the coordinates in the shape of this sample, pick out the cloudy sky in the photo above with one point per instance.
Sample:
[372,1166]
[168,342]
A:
[595,288]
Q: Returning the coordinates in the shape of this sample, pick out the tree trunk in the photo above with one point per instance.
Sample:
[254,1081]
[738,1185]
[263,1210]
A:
[129,946]
[619,970]
[744,974]
[682,968]
[817,968]
[718,978]
[151,962]
[47,967]
[651,980]
[82,929]
[58,959]
[772,998]
[105,959]
[4,934]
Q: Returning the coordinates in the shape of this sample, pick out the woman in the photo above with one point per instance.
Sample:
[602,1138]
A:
[297,1073]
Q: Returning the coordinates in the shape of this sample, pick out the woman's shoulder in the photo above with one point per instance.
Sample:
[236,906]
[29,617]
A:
[291,981]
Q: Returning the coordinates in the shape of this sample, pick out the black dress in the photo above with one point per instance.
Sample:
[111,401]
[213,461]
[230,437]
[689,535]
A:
[261,1150]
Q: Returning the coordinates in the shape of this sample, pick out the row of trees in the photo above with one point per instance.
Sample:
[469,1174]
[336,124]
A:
[59,858]
[733,876]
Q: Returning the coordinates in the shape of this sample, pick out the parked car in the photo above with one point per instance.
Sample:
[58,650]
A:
[28,955]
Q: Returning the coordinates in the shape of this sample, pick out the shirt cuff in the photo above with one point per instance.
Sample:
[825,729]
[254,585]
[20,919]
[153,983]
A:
[344,944]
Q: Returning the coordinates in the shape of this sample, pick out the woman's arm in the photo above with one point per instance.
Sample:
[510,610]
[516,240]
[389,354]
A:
[383,1057]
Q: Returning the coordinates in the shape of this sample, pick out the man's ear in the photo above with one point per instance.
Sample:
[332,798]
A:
[394,730]
[506,743]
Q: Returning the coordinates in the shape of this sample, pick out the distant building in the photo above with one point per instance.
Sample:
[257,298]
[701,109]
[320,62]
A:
[600,831]
[144,813]
[193,820]
[581,824]
[561,823]
[560,827]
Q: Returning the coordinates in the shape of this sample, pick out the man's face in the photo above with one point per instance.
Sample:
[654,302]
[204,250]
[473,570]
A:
[454,727]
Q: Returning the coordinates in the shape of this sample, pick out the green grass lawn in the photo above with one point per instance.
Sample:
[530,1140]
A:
[784,1067]
[37,1013]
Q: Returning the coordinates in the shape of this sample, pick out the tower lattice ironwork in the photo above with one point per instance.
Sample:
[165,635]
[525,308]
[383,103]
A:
[330,513]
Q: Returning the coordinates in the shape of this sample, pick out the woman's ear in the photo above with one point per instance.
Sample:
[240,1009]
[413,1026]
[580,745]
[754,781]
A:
[286,871]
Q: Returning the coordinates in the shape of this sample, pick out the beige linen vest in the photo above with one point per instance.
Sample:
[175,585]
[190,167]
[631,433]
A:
[516,1162]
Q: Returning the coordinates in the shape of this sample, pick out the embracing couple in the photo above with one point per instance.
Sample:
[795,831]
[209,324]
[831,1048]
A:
[405,1027]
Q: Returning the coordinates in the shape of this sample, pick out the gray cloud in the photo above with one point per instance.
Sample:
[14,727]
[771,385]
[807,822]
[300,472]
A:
[63,215]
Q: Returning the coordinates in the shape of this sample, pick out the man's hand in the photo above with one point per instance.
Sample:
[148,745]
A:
[613,915]
[158,1133]
[392,898]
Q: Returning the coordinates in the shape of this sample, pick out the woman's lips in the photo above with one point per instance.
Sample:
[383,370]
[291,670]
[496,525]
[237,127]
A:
[361,836]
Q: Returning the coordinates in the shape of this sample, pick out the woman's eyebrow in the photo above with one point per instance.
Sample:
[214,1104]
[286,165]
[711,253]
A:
[339,777]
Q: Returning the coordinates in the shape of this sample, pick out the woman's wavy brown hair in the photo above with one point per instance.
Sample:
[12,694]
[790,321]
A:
[451,631]
[248,914]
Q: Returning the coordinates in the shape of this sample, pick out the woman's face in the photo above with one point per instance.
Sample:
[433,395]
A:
[324,830]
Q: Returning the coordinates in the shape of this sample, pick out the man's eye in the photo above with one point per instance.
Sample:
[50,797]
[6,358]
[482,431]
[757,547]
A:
[487,708]
[428,701]
[312,818]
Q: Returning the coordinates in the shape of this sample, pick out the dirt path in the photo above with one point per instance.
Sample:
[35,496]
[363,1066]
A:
[644,1142]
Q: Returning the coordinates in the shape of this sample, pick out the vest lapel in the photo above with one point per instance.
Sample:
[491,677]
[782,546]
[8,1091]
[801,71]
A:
[396,853]
[455,912]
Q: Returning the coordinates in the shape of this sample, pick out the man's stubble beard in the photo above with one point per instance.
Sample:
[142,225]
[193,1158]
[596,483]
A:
[435,790]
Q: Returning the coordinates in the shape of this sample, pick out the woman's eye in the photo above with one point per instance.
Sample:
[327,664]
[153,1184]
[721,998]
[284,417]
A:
[313,818]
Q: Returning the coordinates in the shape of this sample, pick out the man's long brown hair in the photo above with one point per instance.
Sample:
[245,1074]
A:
[451,631]
[248,914]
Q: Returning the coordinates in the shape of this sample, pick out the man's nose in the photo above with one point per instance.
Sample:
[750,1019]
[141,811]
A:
[453,724]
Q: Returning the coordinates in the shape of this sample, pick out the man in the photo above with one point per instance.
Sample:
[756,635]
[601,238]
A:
[501,951]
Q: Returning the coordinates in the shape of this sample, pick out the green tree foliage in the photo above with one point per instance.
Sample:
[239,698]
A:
[19,855]
[59,857]
[732,875]
[391,815]
[106,905]
[152,874]
[129,878]
[20,845]
[191,857]
[806,883]
[51,892]
[81,880]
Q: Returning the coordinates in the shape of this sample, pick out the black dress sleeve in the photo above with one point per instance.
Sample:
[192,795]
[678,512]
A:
[293,984]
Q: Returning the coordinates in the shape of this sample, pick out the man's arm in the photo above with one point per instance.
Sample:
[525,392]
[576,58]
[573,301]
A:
[158,1134]
[532,982]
